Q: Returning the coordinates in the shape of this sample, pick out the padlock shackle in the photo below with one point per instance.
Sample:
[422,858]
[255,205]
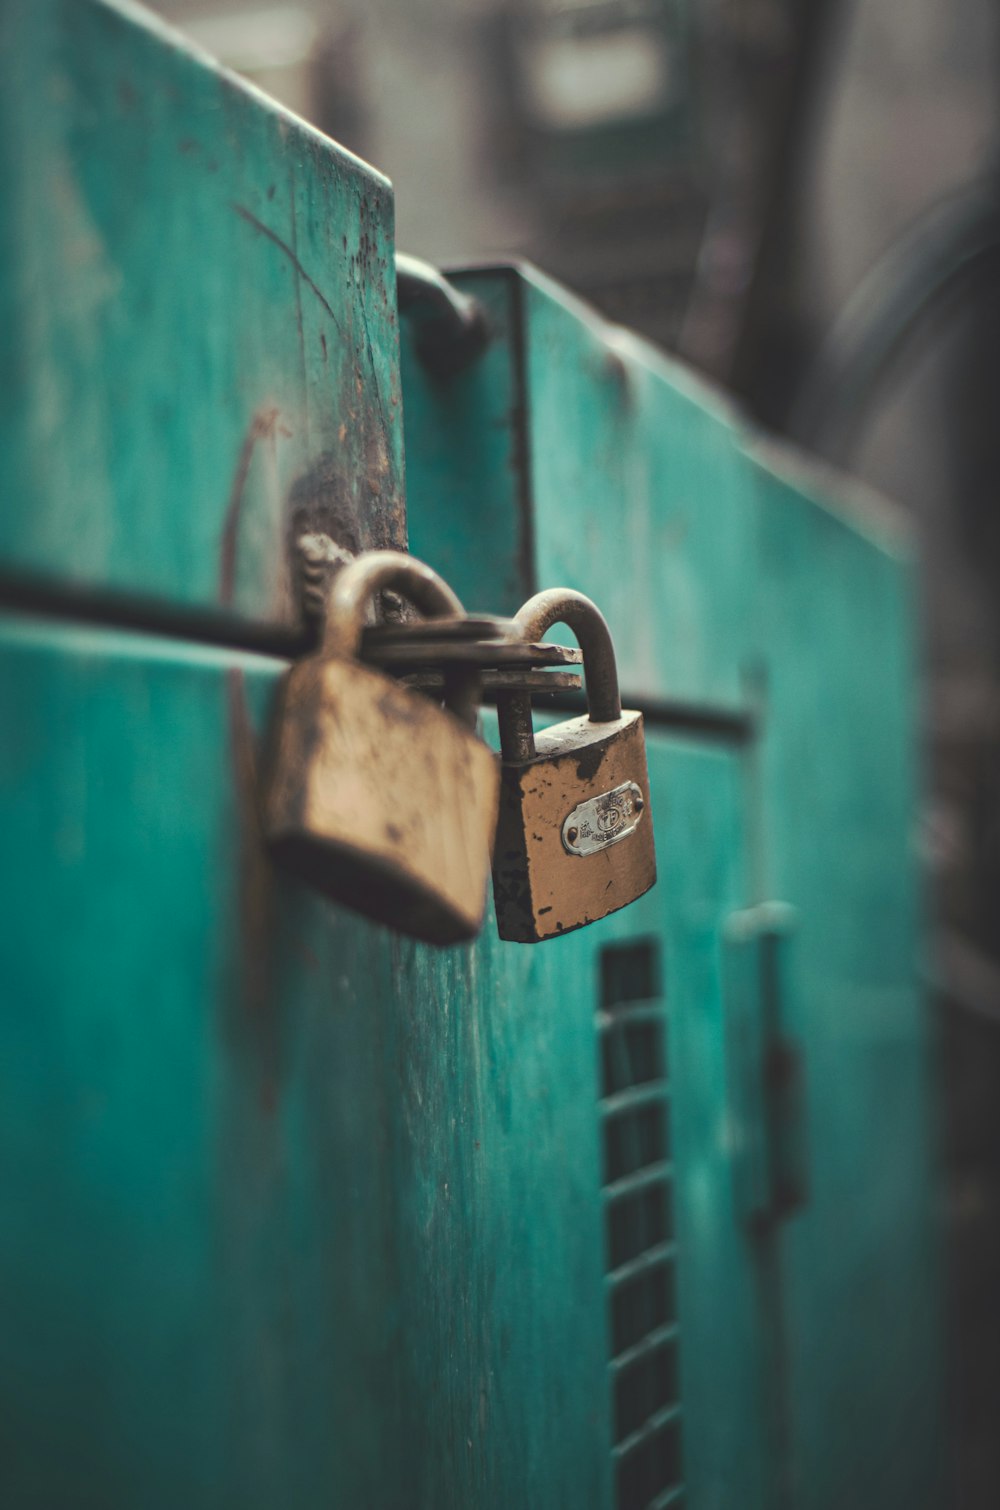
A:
[561,605]
[381,571]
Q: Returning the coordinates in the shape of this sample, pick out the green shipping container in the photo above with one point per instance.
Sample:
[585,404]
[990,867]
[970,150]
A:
[295,1212]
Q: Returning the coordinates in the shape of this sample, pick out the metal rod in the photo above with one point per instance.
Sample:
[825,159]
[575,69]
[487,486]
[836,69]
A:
[462,693]
[723,725]
[451,328]
[517,738]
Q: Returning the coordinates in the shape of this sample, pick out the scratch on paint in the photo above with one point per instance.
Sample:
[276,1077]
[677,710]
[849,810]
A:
[282,246]
[371,358]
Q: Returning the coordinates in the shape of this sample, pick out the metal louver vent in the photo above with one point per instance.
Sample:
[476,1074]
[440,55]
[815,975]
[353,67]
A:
[639,1224]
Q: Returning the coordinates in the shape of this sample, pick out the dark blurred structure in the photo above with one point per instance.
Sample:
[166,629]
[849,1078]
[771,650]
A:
[638,150]
[722,174]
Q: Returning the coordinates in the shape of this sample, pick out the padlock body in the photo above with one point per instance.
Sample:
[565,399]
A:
[575,836]
[382,800]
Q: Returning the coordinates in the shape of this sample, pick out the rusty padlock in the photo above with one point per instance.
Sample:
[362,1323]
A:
[574,837]
[378,796]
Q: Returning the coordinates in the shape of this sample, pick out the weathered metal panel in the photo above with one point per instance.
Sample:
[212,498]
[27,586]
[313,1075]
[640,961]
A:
[836,627]
[200,1288]
[198,300]
[468,463]
[576,454]
[279,1188]
[727,1307]
[640,499]
[510,1335]
[295,1212]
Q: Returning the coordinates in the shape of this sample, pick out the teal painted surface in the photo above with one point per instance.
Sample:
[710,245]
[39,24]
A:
[507,1350]
[640,500]
[724,1300]
[201,1283]
[473,511]
[198,301]
[838,787]
[510,1340]
[766,1080]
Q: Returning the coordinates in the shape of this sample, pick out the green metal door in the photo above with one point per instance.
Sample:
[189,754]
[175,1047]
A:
[568,1115]
[200,1287]
[280,1188]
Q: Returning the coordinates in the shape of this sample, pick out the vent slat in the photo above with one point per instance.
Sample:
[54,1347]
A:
[651,1428]
[638,1199]
[653,1258]
[642,1179]
[667,1498]
[662,1337]
[636,1012]
[635,1098]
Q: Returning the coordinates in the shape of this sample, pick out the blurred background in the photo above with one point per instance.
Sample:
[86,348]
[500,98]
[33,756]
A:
[798,197]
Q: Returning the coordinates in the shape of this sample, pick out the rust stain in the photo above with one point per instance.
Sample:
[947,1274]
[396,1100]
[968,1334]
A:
[263,424]
[321,500]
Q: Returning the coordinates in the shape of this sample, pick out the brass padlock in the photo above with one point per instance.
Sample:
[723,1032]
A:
[379,797]
[574,837]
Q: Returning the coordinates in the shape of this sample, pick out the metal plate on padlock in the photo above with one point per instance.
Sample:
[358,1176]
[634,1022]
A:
[603,820]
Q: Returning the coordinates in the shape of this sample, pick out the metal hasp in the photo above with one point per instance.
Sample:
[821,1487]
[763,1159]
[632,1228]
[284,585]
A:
[543,884]
[378,797]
